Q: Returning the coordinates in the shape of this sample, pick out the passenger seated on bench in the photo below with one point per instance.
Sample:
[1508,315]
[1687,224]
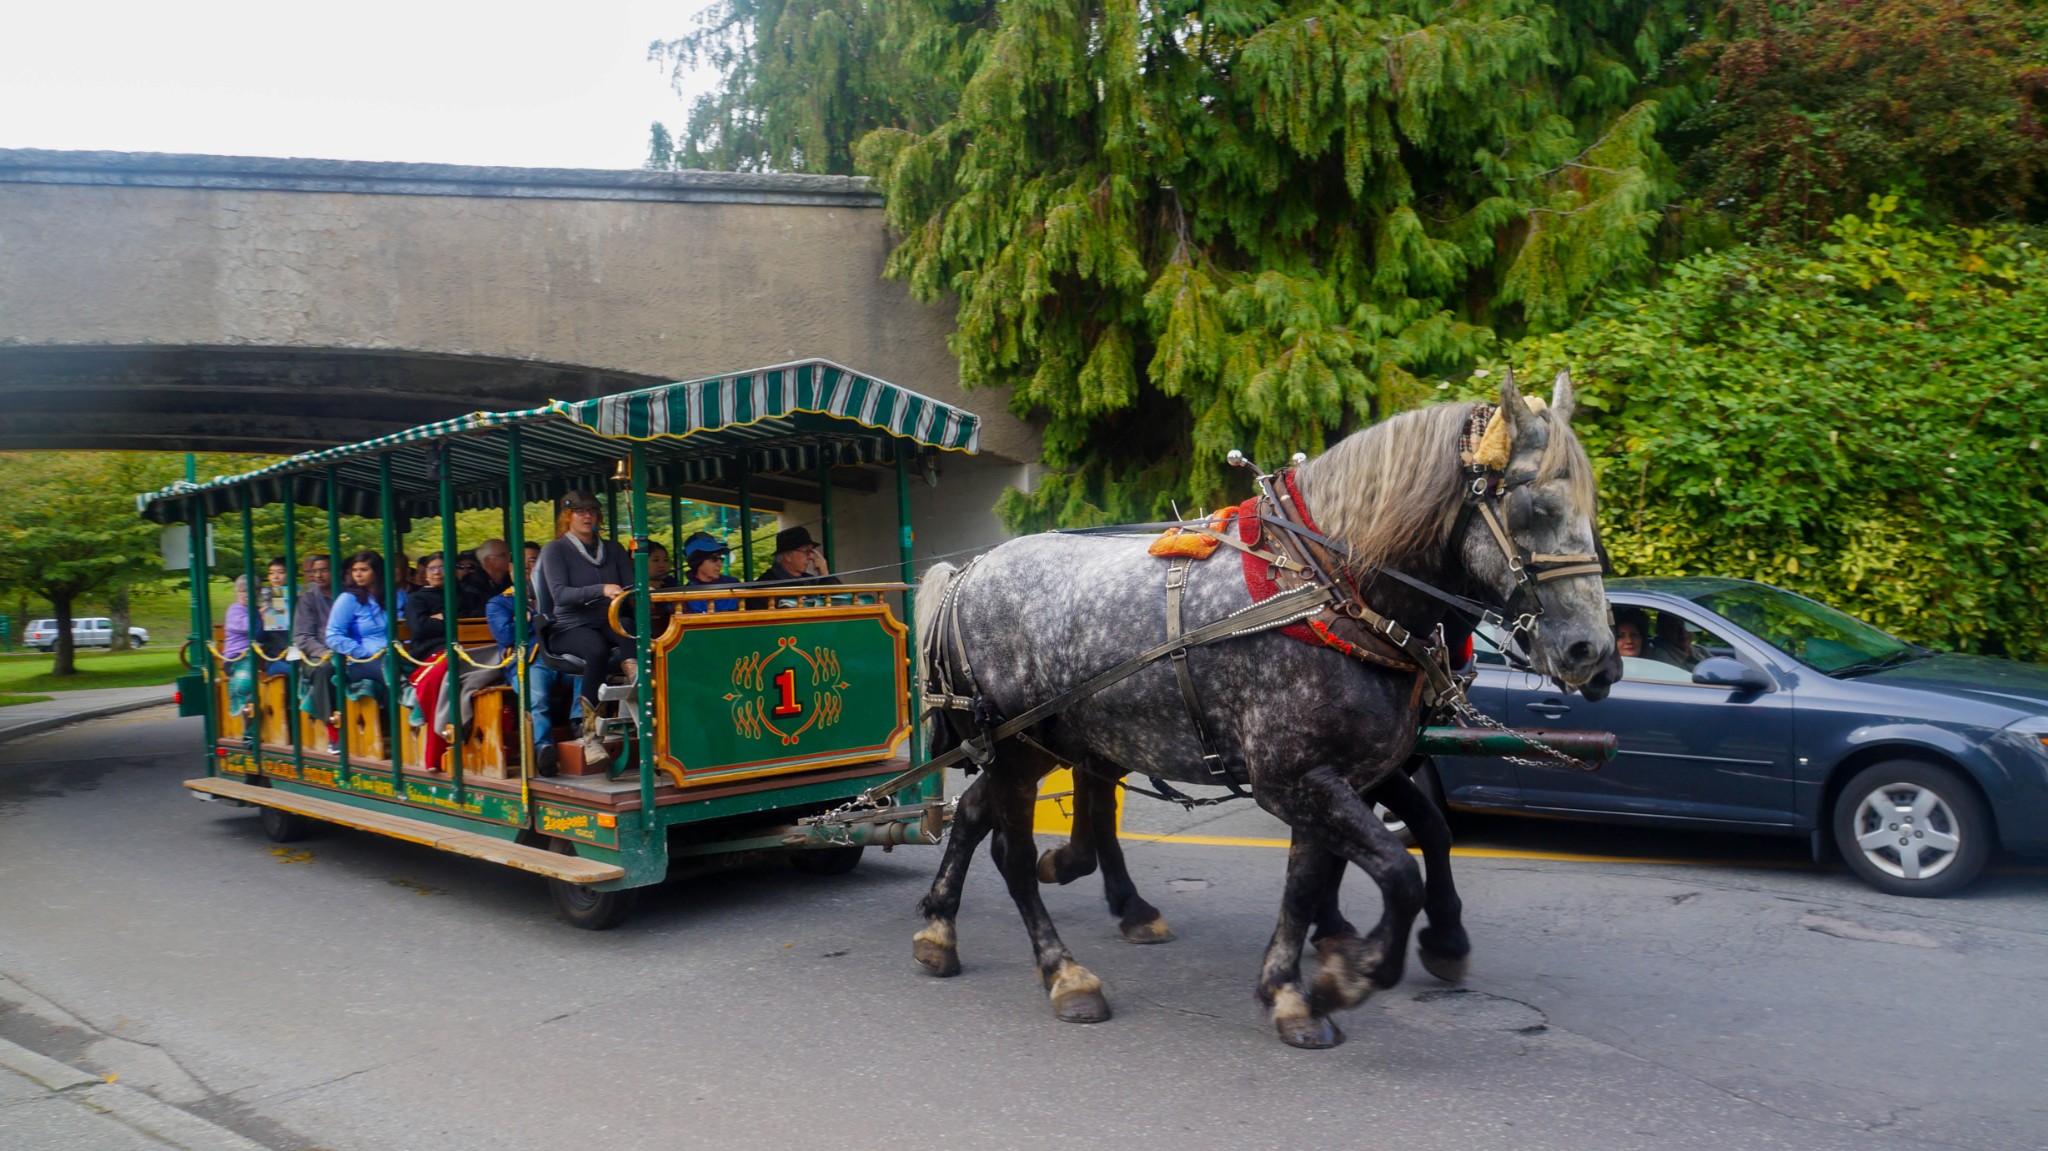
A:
[274,619]
[661,576]
[357,631]
[704,563]
[309,644]
[578,576]
[548,684]
[426,620]
[798,560]
[235,627]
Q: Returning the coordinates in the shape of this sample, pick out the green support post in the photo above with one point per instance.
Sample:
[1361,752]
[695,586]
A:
[395,721]
[202,618]
[337,570]
[451,677]
[675,534]
[746,521]
[643,645]
[905,539]
[515,498]
[291,609]
[254,728]
[825,504]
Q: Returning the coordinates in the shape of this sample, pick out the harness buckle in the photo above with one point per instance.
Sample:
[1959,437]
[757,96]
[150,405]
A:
[1393,630]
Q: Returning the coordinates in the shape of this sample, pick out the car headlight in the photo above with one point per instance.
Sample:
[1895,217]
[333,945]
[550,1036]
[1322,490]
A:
[2033,731]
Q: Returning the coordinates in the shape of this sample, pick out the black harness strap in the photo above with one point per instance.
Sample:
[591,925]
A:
[1177,574]
[1279,611]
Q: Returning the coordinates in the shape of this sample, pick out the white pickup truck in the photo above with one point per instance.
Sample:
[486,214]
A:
[92,631]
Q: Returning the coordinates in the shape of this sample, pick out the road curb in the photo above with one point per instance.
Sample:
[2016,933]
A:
[38,726]
[131,1108]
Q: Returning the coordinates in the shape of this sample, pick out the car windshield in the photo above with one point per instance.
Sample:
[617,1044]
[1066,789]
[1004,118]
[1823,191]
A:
[1814,634]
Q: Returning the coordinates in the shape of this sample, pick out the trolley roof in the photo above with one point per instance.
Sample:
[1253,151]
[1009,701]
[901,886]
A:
[786,418]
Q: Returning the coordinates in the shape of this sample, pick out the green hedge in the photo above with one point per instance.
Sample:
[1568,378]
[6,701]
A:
[1864,424]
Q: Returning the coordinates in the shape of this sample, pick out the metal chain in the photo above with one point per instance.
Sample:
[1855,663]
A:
[1472,715]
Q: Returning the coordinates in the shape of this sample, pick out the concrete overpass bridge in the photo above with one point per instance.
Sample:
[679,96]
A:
[218,303]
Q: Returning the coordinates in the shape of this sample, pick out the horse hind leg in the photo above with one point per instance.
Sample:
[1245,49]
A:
[1076,858]
[936,947]
[1075,992]
[1095,816]
[1442,946]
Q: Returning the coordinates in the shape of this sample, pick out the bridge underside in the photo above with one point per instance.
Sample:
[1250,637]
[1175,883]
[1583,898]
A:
[240,399]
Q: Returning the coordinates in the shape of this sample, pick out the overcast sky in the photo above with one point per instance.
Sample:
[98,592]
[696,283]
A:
[512,82]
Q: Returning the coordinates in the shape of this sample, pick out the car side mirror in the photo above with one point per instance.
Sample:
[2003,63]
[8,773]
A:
[1724,671]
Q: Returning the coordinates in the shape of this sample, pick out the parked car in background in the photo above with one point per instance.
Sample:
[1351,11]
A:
[93,631]
[1754,709]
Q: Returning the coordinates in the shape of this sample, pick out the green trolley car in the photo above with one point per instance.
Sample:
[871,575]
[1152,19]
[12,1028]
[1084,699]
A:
[741,727]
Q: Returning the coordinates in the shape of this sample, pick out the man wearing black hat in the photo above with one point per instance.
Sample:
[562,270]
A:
[798,559]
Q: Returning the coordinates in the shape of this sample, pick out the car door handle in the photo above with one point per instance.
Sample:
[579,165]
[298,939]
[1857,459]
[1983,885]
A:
[1549,708]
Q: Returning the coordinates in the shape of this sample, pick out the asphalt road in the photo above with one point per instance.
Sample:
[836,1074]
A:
[352,992]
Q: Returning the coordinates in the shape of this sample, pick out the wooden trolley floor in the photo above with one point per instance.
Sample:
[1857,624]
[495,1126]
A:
[570,868]
[596,791]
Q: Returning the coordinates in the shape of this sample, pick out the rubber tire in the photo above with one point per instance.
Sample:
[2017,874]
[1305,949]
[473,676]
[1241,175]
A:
[580,906]
[827,860]
[137,644]
[287,826]
[1971,825]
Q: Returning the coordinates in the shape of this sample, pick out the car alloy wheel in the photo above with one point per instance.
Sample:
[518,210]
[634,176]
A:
[1912,829]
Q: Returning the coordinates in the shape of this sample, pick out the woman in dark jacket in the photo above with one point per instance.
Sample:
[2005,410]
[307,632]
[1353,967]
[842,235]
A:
[425,618]
[574,583]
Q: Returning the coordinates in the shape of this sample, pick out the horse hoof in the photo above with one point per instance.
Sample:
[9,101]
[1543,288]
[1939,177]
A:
[1310,1033]
[1343,967]
[1449,968]
[1081,1007]
[936,950]
[1153,930]
[1077,995]
[1048,867]
[1299,1025]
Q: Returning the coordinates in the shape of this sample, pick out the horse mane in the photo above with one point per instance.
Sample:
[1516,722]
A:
[1391,491]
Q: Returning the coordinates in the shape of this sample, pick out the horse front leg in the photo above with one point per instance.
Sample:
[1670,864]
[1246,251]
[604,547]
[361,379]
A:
[937,946]
[1075,992]
[1327,814]
[1443,947]
[1312,875]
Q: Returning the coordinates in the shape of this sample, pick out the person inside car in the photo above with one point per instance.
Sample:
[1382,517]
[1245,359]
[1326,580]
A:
[1631,632]
[1673,644]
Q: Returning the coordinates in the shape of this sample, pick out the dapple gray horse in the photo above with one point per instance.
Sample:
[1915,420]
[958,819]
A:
[1309,729]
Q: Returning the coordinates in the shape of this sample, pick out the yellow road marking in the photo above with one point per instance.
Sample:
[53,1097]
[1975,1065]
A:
[1466,852]
[1546,856]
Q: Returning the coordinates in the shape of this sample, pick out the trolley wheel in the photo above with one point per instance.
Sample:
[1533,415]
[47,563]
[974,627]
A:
[287,826]
[827,860]
[583,906]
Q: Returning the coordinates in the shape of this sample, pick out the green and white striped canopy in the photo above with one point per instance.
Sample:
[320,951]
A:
[790,418]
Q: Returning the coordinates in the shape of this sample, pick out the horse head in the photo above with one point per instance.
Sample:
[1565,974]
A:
[1544,571]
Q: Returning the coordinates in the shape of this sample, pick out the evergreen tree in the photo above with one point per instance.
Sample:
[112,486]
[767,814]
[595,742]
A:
[801,81]
[1179,228]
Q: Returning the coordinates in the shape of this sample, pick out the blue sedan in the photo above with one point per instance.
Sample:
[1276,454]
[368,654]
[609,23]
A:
[1745,707]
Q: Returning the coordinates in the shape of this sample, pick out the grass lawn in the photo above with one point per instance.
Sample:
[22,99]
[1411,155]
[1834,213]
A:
[7,700]
[29,675]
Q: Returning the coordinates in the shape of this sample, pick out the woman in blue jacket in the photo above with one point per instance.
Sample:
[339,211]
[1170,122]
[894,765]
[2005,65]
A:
[358,626]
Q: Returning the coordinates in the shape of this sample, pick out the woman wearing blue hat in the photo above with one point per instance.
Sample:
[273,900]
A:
[704,560]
